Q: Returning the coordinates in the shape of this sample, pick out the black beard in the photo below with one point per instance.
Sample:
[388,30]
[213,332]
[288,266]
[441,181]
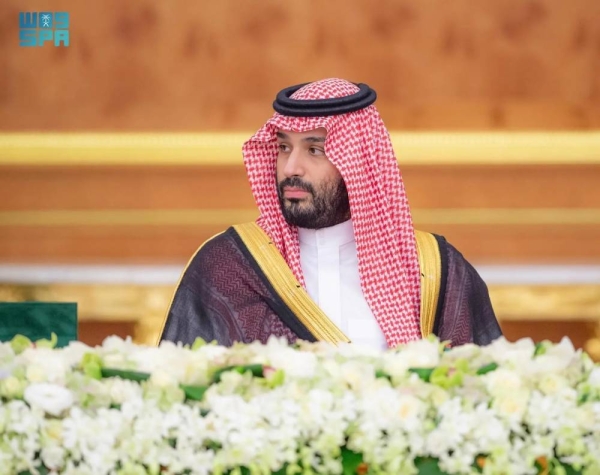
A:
[329,206]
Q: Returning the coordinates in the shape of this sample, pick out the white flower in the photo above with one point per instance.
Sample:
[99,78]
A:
[148,360]
[354,350]
[357,374]
[121,390]
[552,383]
[115,361]
[394,366]
[557,358]
[51,398]
[45,365]
[502,381]
[410,409]
[512,405]
[171,362]
[74,352]
[502,351]
[294,363]
[115,352]
[195,369]
[162,379]
[53,457]
[52,431]
[594,377]
[94,437]
[454,425]
[468,351]
[550,413]
[7,354]
[117,344]
[420,354]
[11,387]
[212,352]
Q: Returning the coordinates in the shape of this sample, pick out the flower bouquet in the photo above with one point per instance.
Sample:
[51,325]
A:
[307,408]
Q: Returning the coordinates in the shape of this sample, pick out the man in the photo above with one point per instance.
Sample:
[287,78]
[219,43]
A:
[334,255]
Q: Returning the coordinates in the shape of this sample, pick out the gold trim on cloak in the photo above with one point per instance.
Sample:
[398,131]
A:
[275,268]
[308,312]
[430,264]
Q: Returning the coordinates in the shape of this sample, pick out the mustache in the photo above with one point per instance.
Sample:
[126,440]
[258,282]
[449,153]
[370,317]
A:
[295,182]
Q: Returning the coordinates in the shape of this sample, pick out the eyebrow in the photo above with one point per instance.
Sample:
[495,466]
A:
[321,139]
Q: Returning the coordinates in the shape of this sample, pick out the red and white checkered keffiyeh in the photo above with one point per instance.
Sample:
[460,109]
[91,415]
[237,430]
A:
[359,146]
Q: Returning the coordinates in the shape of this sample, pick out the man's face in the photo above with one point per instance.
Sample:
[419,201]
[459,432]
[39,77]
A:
[312,193]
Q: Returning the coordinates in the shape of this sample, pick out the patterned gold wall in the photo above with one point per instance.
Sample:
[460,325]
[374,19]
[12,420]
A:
[205,65]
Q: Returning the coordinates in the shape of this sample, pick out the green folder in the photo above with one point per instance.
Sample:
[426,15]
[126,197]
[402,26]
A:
[38,320]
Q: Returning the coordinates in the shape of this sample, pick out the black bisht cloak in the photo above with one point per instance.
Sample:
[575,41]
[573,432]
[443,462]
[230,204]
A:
[223,295]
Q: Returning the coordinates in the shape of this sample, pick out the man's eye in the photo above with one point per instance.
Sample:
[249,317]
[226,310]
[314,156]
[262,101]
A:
[283,147]
[315,151]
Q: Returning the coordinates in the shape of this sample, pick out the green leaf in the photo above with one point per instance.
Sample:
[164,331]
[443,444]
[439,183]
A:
[462,365]
[382,374]
[41,470]
[446,377]
[255,369]
[541,347]
[124,374]
[92,365]
[276,379]
[423,373]
[350,461]
[212,445]
[488,368]
[198,343]
[45,343]
[194,393]
[428,466]
[569,470]
[583,398]
[20,343]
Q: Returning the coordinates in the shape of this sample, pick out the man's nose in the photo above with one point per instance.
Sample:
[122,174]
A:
[294,165]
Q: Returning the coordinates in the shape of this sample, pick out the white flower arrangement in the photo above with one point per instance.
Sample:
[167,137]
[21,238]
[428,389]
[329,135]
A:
[309,408]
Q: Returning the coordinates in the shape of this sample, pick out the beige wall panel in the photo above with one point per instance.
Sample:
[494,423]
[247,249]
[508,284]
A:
[122,187]
[193,187]
[499,244]
[579,332]
[515,244]
[105,244]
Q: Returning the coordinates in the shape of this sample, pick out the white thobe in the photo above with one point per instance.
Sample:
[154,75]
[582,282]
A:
[330,266]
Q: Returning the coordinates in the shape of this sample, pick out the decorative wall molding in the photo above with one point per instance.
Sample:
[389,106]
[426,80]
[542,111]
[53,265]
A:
[224,148]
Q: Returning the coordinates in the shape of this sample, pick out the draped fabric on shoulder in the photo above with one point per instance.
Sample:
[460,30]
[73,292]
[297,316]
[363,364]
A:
[465,313]
[224,296]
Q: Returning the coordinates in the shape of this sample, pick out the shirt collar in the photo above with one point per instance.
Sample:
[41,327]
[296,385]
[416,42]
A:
[334,236]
